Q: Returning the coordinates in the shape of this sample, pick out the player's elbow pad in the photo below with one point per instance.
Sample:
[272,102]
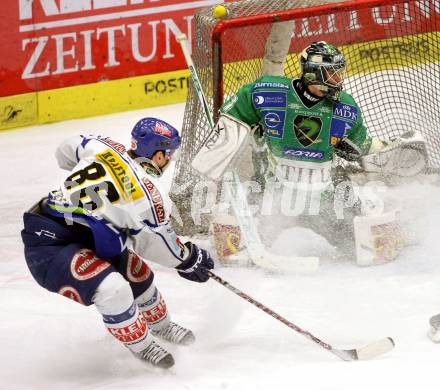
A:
[68,152]
[65,159]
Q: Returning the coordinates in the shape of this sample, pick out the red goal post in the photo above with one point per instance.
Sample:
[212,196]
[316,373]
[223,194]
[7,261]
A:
[392,49]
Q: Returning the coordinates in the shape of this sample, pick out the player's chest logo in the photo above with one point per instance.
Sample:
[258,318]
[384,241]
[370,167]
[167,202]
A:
[307,129]
[274,123]
[272,99]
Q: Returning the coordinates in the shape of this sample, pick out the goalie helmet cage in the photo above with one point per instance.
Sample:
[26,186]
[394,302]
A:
[392,48]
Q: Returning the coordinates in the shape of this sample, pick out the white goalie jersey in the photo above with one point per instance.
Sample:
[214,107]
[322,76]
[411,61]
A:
[113,195]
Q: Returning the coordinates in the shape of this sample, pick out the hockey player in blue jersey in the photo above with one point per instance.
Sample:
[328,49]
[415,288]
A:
[89,239]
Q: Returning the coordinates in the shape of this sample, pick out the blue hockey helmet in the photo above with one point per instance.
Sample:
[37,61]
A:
[150,135]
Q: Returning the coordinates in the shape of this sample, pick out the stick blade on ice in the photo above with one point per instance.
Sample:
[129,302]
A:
[367,352]
[375,349]
[286,264]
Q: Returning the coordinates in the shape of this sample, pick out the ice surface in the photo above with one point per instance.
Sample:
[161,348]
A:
[48,342]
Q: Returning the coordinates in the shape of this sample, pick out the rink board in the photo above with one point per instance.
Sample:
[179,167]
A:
[93,99]
[171,87]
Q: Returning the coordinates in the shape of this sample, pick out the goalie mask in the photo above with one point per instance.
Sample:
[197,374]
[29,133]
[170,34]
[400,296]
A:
[323,66]
[150,135]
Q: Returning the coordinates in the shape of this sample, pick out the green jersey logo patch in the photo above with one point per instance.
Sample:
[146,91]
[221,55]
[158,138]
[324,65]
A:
[307,129]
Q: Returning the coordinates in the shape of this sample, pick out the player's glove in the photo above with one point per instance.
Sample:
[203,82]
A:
[196,266]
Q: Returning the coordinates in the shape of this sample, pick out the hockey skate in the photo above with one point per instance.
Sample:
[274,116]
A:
[434,330]
[175,334]
[156,355]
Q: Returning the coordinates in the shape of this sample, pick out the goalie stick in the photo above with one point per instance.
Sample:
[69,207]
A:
[256,251]
[258,254]
[366,352]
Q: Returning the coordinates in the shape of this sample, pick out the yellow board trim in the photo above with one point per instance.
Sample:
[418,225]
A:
[113,96]
[87,100]
[18,110]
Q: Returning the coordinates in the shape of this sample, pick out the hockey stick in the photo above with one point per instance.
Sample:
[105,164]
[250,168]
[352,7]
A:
[183,41]
[366,352]
[256,251]
[255,247]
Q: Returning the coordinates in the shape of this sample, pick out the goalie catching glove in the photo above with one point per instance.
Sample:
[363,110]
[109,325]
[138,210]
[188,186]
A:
[405,156]
[196,266]
[218,152]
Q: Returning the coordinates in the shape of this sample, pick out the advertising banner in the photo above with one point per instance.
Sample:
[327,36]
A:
[49,44]
[65,59]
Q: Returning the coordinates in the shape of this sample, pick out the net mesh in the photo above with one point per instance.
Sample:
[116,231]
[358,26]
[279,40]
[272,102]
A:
[393,61]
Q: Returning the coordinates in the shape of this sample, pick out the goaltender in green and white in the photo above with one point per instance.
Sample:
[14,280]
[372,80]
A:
[298,126]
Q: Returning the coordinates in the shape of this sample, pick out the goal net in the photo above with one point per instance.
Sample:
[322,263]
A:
[392,48]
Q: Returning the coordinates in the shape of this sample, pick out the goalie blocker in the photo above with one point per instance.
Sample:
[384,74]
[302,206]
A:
[222,146]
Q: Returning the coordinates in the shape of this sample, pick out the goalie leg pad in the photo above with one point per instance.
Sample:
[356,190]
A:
[227,240]
[379,238]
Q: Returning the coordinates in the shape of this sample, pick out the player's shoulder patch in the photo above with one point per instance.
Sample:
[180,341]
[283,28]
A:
[346,111]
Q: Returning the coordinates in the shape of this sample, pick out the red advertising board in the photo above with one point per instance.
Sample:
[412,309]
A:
[48,44]
[352,24]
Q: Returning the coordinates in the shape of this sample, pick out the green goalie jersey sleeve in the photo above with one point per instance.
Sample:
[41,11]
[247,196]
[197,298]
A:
[291,130]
